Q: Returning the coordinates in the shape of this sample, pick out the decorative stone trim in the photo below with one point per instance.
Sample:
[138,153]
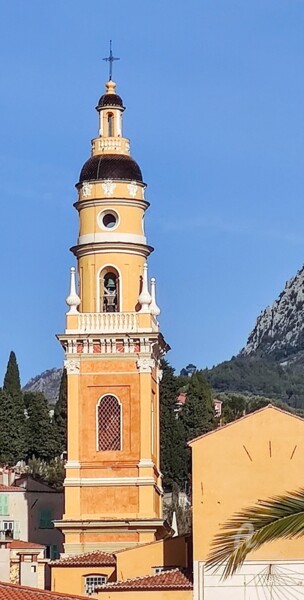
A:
[107,481]
[86,189]
[145,365]
[132,188]
[72,366]
[108,187]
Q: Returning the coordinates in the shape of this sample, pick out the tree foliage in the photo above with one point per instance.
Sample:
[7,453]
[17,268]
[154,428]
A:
[11,383]
[12,428]
[173,453]
[60,416]
[41,439]
[197,414]
[280,517]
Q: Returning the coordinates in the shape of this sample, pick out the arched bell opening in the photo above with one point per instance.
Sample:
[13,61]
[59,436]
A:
[109,296]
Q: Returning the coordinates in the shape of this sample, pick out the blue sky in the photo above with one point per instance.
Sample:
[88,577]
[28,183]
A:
[214,91]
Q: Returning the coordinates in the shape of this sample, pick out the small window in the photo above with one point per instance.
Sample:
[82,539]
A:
[51,551]
[163,569]
[8,527]
[46,519]
[4,504]
[92,582]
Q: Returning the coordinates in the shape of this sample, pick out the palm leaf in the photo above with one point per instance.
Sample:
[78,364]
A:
[275,518]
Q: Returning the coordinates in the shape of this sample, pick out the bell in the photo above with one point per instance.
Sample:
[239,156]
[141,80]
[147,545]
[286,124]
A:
[110,284]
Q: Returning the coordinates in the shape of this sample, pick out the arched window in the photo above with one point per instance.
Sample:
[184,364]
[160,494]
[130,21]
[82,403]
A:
[110,124]
[109,423]
[109,290]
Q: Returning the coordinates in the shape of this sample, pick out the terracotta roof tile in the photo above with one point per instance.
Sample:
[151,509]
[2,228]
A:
[9,591]
[10,488]
[88,559]
[174,579]
[16,544]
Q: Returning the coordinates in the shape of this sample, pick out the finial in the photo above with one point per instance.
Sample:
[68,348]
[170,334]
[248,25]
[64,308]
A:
[73,299]
[154,309]
[110,59]
[144,297]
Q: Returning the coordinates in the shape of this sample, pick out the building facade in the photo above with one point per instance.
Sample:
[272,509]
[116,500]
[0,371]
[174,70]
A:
[113,347]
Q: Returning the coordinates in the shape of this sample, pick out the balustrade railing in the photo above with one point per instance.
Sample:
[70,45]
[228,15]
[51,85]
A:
[120,322]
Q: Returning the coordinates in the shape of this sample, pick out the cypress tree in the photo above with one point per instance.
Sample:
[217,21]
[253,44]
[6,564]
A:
[197,414]
[60,416]
[173,459]
[12,428]
[11,382]
[41,441]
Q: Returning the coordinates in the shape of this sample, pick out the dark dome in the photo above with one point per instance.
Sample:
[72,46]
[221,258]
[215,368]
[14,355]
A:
[110,166]
[110,100]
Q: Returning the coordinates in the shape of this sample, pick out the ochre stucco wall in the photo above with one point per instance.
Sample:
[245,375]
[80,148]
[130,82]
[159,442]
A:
[140,561]
[259,456]
[71,580]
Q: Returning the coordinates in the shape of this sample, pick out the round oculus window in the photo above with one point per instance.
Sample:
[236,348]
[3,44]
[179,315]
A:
[108,220]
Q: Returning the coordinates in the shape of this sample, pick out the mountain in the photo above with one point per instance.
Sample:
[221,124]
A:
[47,382]
[279,330]
[271,363]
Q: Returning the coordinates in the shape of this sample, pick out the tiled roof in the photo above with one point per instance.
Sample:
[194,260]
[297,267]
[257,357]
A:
[20,544]
[175,579]
[88,559]
[10,488]
[9,591]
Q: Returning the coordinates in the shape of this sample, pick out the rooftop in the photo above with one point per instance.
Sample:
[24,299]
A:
[9,591]
[10,488]
[174,579]
[88,559]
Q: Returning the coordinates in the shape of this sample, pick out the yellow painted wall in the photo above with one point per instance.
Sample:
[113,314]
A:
[257,457]
[140,561]
[71,580]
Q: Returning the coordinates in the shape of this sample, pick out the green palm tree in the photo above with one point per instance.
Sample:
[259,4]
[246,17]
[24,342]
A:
[272,519]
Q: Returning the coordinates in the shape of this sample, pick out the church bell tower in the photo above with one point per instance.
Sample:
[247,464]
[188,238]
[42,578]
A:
[112,347]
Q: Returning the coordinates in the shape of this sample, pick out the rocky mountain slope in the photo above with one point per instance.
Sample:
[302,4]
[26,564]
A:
[47,382]
[279,330]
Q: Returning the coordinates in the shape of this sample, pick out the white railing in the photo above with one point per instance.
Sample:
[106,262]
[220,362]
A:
[125,322]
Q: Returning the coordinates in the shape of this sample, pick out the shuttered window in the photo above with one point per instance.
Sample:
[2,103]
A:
[4,504]
[45,519]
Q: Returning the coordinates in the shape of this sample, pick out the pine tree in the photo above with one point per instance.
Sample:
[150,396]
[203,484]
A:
[11,382]
[173,457]
[197,414]
[60,416]
[12,428]
[41,441]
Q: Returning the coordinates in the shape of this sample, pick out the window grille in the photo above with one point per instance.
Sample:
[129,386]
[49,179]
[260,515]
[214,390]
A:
[109,424]
[93,582]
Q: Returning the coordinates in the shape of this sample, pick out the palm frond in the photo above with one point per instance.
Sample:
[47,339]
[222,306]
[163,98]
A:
[275,518]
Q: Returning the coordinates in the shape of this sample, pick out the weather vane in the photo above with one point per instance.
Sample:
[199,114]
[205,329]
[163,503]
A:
[110,59]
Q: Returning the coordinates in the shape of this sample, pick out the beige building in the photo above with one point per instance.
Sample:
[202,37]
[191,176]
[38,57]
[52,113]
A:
[27,510]
[256,457]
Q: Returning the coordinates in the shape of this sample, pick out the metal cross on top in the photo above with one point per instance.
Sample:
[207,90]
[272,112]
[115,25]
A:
[110,59]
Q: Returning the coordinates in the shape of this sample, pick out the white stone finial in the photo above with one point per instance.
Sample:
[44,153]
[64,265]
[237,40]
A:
[154,309]
[73,299]
[144,297]
[174,524]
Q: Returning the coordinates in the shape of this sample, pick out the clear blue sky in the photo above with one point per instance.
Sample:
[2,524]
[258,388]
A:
[214,91]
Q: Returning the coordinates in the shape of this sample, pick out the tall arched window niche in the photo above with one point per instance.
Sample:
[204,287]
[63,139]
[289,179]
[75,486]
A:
[108,290]
[109,424]
[110,124]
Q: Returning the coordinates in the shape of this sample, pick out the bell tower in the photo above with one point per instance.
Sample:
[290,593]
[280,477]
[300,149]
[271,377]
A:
[112,347]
